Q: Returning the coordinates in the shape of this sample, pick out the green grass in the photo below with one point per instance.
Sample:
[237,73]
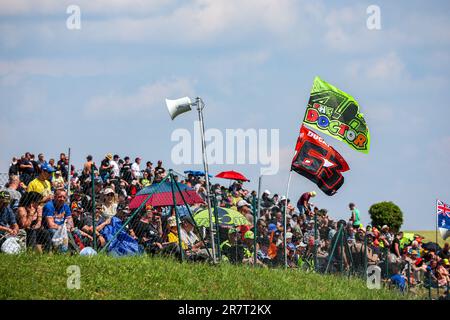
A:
[104,277]
[430,236]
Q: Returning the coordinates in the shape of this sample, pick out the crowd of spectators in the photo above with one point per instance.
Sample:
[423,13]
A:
[35,208]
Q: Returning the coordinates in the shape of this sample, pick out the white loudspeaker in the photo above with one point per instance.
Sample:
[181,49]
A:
[178,106]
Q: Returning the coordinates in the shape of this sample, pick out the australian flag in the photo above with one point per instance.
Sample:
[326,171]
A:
[443,214]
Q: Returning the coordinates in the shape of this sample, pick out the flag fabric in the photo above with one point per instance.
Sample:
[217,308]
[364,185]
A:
[336,113]
[443,214]
[319,162]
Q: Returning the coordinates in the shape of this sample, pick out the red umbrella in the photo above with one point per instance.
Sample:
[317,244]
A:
[232,175]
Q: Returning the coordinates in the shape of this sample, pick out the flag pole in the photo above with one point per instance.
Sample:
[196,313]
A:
[284,218]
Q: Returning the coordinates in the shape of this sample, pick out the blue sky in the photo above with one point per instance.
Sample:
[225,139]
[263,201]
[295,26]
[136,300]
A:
[102,88]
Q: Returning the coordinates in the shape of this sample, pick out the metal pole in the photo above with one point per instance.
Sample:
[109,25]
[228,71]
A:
[200,106]
[259,198]
[436,230]
[192,217]
[255,227]
[216,219]
[172,181]
[315,242]
[365,256]
[94,226]
[68,179]
[284,218]
[330,256]
[342,250]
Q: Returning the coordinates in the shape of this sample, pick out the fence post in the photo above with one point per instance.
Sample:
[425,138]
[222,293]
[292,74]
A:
[255,230]
[180,244]
[216,218]
[315,242]
[94,225]
[330,256]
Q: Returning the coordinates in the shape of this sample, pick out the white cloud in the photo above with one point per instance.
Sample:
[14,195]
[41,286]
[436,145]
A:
[47,7]
[14,71]
[141,102]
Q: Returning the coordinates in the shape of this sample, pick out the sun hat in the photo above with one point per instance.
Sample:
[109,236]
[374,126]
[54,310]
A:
[313,193]
[172,222]
[109,156]
[108,191]
[242,203]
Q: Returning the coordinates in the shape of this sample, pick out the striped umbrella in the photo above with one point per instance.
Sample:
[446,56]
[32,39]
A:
[162,195]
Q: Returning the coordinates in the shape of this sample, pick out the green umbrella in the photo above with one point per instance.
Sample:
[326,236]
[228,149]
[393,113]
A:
[226,217]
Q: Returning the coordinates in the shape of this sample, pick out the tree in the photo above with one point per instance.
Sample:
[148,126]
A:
[386,213]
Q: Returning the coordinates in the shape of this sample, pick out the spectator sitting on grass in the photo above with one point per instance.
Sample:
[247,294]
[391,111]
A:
[8,223]
[29,216]
[55,214]
[109,207]
[196,248]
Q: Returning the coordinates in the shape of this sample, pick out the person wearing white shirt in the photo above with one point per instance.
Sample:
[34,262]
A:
[135,170]
[115,166]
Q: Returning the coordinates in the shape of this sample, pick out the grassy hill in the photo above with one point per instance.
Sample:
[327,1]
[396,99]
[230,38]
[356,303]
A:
[430,236]
[104,277]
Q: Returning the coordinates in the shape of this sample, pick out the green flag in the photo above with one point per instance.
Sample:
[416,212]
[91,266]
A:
[336,113]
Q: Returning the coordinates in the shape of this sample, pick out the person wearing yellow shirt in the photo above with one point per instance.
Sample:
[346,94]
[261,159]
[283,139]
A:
[172,237]
[41,184]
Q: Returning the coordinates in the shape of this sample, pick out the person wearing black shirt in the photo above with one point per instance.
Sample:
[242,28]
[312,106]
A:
[125,171]
[62,166]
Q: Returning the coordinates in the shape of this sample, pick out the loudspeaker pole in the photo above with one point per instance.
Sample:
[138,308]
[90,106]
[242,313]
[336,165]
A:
[200,106]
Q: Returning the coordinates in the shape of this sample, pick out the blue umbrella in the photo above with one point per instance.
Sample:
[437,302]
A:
[196,173]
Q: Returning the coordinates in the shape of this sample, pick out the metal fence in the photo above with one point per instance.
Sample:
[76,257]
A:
[164,216]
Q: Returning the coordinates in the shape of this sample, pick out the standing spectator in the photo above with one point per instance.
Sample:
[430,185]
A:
[87,167]
[354,219]
[105,167]
[41,159]
[150,170]
[13,167]
[303,205]
[135,169]
[51,163]
[62,166]
[42,184]
[126,170]
[159,171]
[26,168]
[115,165]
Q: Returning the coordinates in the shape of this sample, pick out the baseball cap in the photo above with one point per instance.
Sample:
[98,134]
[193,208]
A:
[283,198]
[242,203]
[47,168]
[289,235]
[249,235]
[302,245]
[384,227]
[313,193]
[267,192]
[108,191]
[272,227]
[5,196]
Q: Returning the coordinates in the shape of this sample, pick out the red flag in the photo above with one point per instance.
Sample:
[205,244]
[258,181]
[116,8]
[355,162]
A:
[319,162]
